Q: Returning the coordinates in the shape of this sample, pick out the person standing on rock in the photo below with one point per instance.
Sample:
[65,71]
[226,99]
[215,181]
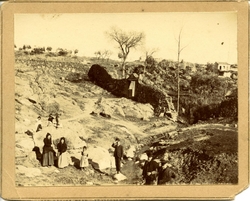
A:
[38,124]
[50,120]
[63,160]
[84,159]
[166,173]
[118,154]
[58,123]
[57,120]
[48,152]
[149,173]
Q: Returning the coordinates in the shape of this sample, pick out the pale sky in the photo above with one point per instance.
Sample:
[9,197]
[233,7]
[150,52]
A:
[203,33]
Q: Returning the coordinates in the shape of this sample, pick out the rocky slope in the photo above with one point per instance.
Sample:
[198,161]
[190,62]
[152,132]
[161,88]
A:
[92,116]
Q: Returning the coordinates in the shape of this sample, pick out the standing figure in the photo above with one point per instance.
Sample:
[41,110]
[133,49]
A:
[63,160]
[133,79]
[118,154]
[166,173]
[57,120]
[50,120]
[48,152]
[149,172]
[84,159]
[38,124]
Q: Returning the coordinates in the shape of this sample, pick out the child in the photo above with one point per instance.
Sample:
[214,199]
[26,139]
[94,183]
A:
[84,159]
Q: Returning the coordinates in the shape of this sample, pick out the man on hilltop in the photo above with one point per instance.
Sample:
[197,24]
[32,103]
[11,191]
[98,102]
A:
[118,154]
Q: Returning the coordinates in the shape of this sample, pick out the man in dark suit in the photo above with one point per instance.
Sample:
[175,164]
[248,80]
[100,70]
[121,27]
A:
[118,154]
[149,172]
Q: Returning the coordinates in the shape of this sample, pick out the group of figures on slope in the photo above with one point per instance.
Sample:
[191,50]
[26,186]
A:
[49,154]
[52,120]
[153,173]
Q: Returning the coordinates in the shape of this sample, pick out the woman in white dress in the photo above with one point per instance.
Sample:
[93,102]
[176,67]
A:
[63,160]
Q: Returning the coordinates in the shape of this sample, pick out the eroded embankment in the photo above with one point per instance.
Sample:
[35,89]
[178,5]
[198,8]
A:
[205,154]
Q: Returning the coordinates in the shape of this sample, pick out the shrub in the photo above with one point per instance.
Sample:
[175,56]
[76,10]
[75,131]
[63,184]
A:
[229,108]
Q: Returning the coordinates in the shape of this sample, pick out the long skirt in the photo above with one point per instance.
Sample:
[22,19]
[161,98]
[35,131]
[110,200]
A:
[84,161]
[63,160]
[48,158]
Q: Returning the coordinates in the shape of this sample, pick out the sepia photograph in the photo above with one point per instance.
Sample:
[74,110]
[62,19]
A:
[126,99]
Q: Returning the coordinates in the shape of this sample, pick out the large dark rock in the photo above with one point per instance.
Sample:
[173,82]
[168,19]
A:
[120,87]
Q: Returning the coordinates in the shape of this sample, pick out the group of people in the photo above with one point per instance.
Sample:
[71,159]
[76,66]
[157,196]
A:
[51,119]
[49,154]
[153,173]
[157,174]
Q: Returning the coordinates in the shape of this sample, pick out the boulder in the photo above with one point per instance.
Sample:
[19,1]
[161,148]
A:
[31,160]
[119,177]
[119,111]
[89,183]
[102,157]
[130,153]
[132,112]
[26,144]
[103,106]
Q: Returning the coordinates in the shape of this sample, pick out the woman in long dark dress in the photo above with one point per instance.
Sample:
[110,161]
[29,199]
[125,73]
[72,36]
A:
[48,152]
[63,159]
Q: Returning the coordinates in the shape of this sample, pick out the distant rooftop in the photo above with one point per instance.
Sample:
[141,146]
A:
[225,63]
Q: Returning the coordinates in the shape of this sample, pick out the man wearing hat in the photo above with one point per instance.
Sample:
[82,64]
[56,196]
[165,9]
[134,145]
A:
[149,172]
[118,154]
[166,173]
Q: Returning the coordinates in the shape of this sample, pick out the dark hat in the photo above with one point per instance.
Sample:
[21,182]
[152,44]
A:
[117,139]
[163,162]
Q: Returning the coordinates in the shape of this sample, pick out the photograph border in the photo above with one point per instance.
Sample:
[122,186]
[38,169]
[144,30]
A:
[10,191]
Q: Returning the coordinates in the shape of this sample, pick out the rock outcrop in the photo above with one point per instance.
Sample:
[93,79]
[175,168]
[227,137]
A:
[161,102]
[124,107]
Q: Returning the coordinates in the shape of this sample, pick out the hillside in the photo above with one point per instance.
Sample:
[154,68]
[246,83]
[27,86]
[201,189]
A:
[198,153]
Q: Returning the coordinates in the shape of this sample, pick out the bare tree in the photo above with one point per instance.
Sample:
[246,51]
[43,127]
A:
[106,54]
[180,48]
[126,41]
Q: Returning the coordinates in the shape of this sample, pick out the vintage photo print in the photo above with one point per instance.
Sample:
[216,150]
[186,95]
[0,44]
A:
[137,99]
[112,100]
